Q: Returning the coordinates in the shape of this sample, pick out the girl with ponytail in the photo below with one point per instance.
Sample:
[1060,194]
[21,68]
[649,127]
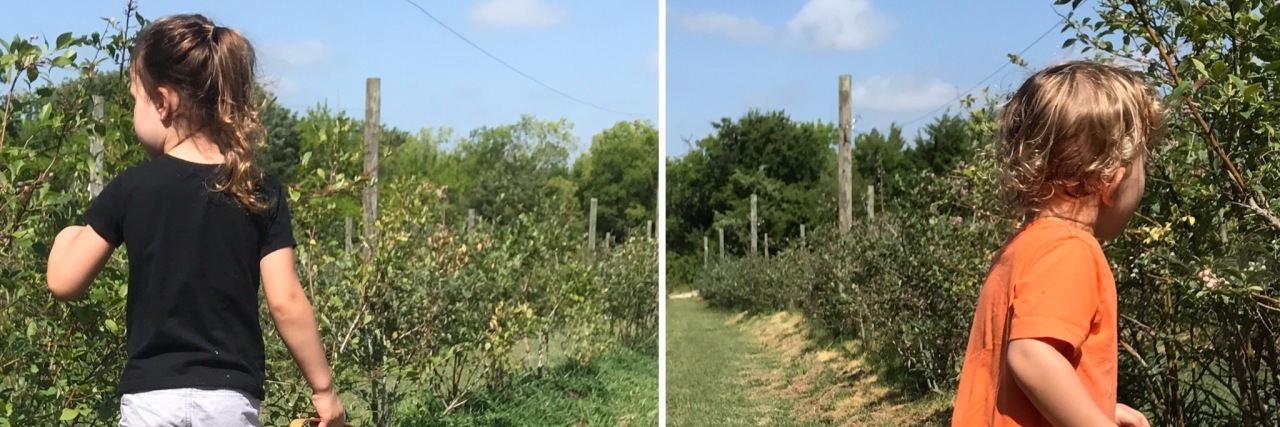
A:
[203,226]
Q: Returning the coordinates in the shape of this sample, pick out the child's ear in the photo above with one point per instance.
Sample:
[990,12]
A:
[168,103]
[1113,183]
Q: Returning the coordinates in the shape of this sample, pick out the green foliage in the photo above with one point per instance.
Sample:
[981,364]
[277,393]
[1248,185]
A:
[621,171]
[787,164]
[1205,247]
[515,168]
[942,145]
[283,141]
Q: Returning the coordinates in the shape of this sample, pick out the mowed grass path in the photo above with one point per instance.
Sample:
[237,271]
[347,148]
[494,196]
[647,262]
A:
[710,370]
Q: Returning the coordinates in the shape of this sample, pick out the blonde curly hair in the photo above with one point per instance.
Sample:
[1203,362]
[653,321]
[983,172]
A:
[1069,128]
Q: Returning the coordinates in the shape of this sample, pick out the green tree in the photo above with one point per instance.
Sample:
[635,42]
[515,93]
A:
[787,164]
[515,168]
[281,153]
[877,155]
[942,145]
[620,170]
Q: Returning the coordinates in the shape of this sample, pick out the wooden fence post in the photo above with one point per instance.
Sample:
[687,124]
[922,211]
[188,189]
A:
[706,251]
[372,133]
[96,150]
[471,221]
[1222,225]
[347,227]
[721,230]
[753,225]
[803,242]
[608,241]
[845,154]
[871,203]
[591,229]
[766,245]
[648,227]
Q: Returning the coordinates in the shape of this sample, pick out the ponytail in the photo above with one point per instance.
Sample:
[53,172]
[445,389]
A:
[212,70]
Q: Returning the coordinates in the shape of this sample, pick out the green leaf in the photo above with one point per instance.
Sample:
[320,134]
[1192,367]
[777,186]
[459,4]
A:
[1236,82]
[111,326]
[1251,90]
[69,414]
[1273,16]
[64,41]
[1068,43]
[1199,66]
[32,74]
[306,158]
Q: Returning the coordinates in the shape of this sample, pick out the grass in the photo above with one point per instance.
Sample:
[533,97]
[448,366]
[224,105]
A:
[775,369]
[712,369]
[832,382]
[619,388]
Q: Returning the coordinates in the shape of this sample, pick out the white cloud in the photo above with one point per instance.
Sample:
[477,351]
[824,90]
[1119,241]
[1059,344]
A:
[900,94]
[737,28]
[651,63]
[793,92]
[839,25]
[517,14]
[297,54]
[281,86]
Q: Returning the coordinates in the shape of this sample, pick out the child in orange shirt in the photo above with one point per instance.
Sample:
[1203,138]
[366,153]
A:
[1043,348]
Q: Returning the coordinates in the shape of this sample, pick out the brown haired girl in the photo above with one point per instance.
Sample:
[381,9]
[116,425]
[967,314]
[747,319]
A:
[203,226]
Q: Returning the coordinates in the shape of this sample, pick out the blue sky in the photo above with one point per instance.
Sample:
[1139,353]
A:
[906,58]
[604,53]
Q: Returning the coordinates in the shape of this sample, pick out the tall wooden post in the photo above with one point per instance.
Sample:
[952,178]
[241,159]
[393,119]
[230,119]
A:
[372,132]
[471,220]
[766,245]
[591,228]
[753,225]
[1222,225]
[871,202]
[721,230]
[706,251]
[845,154]
[803,242]
[95,149]
[608,241]
[648,229]
[347,227]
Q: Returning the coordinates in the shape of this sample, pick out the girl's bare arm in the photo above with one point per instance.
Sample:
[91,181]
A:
[296,323]
[77,256]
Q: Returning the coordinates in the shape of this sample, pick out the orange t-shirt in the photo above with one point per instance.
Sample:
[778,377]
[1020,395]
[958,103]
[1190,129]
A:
[1050,281]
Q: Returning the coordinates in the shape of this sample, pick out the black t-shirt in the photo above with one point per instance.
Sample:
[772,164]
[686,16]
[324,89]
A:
[192,314]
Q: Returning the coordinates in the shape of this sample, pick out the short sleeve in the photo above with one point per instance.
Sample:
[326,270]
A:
[278,232]
[106,213]
[1056,293]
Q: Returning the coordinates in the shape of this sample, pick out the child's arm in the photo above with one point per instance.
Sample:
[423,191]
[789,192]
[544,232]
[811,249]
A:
[296,323]
[1052,385]
[77,256]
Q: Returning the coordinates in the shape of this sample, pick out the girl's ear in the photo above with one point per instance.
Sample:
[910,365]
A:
[1113,183]
[168,103]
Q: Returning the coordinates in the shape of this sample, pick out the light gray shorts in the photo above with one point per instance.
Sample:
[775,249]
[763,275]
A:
[189,407]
